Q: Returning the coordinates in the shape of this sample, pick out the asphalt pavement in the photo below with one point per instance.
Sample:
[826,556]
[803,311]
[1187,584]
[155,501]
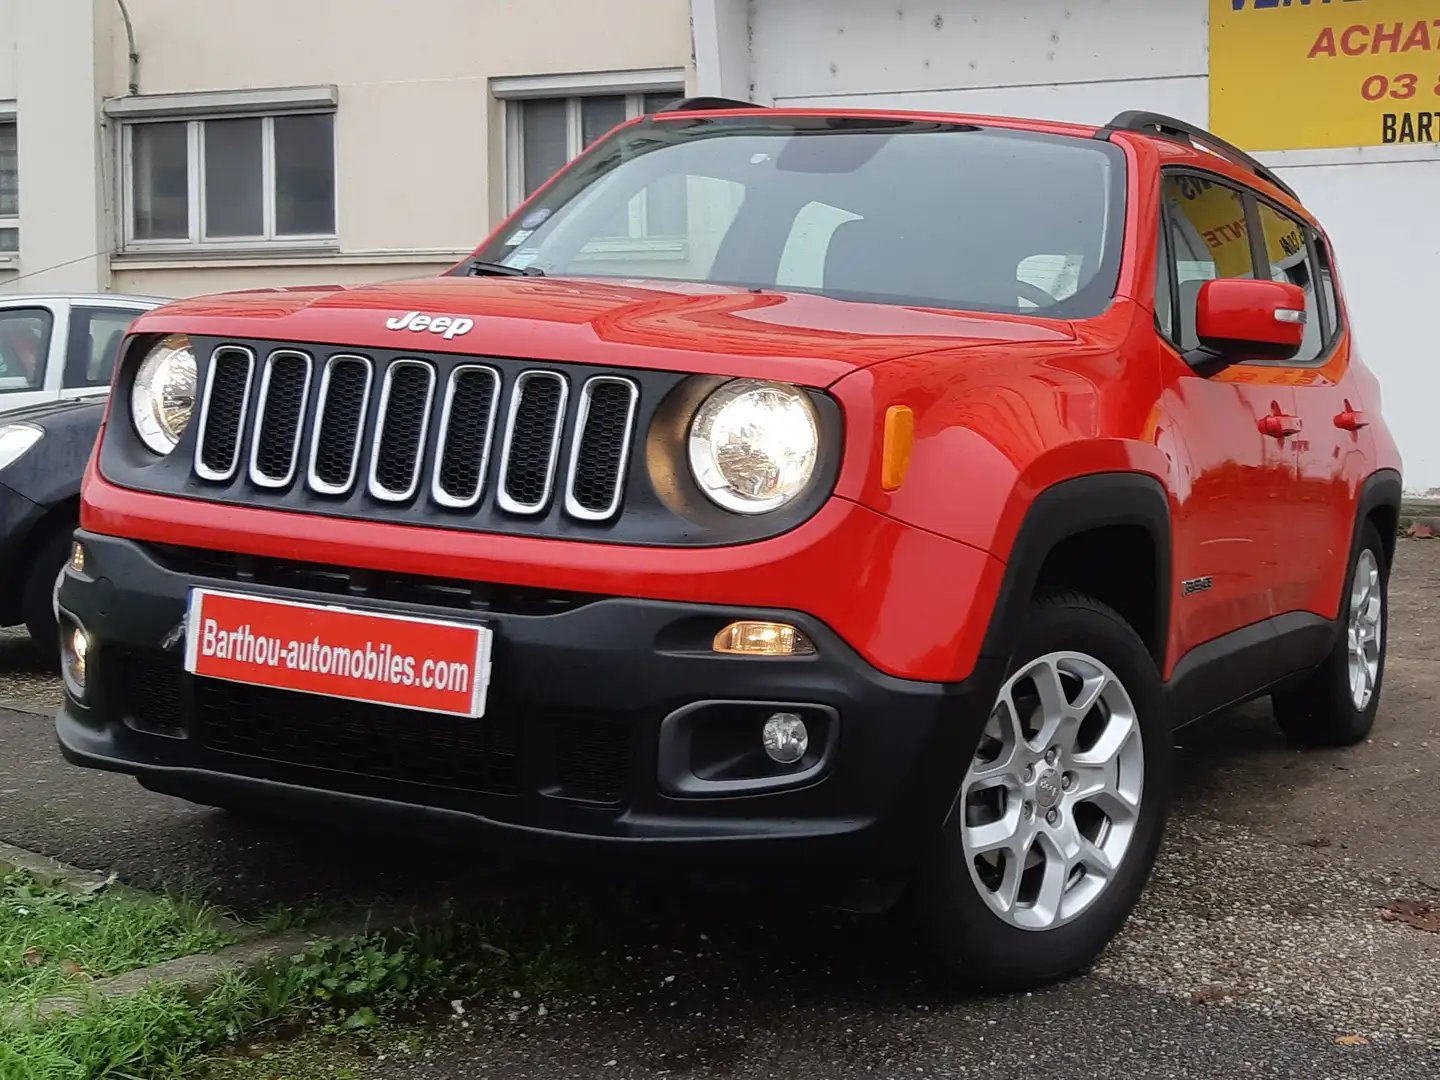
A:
[1260,948]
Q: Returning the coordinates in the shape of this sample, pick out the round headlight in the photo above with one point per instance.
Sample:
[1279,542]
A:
[753,445]
[162,398]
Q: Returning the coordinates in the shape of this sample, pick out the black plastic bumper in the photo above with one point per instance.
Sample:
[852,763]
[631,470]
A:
[569,758]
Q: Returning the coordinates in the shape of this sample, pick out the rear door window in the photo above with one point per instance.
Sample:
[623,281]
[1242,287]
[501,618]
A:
[95,336]
[1290,262]
[24,347]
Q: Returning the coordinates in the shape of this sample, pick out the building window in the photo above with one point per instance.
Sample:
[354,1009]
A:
[547,132]
[9,190]
[231,181]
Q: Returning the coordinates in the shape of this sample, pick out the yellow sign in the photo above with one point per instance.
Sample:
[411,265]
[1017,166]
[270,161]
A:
[1308,74]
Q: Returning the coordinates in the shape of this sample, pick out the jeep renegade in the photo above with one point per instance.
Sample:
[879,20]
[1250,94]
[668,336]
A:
[861,494]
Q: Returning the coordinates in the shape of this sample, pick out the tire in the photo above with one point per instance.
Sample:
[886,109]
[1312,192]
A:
[957,900]
[37,603]
[1326,709]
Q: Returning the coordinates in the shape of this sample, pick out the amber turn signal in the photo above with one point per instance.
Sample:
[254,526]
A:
[763,639]
[899,441]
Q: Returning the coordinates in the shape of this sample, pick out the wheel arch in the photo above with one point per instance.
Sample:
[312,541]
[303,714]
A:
[1068,526]
[53,521]
[1378,504]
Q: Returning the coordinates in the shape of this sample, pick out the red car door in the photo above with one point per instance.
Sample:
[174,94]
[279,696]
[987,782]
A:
[1231,434]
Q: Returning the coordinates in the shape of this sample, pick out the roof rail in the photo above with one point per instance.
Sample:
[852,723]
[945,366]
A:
[707,104]
[1149,123]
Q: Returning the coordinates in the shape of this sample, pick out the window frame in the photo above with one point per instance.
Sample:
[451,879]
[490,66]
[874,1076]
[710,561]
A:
[634,87]
[76,363]
[49,379]
[12,221]
[1330,329]
[196,240]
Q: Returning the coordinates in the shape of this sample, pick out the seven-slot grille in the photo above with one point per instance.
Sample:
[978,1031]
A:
[349,422]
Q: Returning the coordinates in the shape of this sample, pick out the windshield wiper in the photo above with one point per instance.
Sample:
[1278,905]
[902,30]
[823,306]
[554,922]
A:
[481,268]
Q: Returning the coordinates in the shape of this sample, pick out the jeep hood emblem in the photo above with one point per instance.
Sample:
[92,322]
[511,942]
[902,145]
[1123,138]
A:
[447,326]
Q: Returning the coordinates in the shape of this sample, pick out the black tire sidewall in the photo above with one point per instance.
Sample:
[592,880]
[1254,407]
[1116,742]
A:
[37,602]
[969,942]
[1353,724]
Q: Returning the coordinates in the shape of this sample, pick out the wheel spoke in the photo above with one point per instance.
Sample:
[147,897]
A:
[1111,743]
[1061,717]
[1013,873]
[1053,880]
[1003,834]
[1095,859]
[1117,804]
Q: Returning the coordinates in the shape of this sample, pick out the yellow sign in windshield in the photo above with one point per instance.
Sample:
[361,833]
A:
[1218,215]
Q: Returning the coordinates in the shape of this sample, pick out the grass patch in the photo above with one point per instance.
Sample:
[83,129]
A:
[354,986]
[54,939]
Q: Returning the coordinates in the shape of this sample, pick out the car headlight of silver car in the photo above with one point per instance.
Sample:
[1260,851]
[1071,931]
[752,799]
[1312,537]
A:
[16,441]
[162,399]
[753,445]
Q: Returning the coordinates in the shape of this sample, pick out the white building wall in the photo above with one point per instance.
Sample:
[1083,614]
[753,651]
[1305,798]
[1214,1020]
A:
[1085,61]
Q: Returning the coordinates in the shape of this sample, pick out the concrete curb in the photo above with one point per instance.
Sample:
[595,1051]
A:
[197,975]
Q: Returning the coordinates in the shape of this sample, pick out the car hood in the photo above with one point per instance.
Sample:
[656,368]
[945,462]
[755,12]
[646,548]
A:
[48,411]
[673,326]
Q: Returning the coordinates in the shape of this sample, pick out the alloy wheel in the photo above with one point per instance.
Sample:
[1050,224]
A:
[1366,630]
[1051,801]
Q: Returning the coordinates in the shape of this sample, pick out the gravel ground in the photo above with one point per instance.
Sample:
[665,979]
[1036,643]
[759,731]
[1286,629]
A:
[1258,945]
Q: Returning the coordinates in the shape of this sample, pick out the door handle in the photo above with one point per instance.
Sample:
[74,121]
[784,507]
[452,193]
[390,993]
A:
[1278,425]
[1350,419]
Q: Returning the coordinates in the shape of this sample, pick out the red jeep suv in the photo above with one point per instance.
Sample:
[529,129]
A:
[863,495]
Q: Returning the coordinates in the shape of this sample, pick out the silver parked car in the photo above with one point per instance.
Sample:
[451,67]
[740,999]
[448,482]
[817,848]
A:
[57,346]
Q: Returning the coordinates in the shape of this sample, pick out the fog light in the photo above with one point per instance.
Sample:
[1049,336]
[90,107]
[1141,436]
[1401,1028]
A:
[76,647]
[77,558]
[763,639]
[785,738]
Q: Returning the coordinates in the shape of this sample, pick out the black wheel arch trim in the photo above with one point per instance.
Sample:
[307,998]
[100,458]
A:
[1382,489]
[1069,508]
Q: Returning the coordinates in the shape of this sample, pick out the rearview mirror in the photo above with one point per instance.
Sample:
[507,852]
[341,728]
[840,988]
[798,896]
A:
[1238,319]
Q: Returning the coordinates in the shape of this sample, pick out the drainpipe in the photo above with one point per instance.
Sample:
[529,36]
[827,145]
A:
[134,56]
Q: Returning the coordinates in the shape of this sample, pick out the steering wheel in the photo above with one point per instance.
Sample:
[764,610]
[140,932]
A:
[1036,295]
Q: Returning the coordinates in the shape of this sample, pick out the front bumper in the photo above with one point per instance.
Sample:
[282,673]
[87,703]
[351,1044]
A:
[569,757]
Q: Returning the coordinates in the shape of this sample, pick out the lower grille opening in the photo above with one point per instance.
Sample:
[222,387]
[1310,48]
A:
[150,691]
[358,738]
[592,759]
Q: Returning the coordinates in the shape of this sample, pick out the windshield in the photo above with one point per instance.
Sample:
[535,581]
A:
[884,210]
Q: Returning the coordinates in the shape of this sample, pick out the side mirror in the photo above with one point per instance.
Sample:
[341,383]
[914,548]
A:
[1238,319]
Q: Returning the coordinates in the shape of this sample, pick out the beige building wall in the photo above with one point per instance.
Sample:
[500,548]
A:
[420,138]
[420,119]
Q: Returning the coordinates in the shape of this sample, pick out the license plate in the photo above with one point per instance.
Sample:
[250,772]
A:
[425,664]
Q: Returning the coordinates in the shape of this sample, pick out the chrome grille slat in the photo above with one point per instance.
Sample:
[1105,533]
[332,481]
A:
[600,450]
[532,441]
[356,430]
[401,424]
[467,429]
[220,430]
[339,422]
[280,418]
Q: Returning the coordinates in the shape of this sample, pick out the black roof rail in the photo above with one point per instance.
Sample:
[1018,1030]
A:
[1149,123]
[708,104]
